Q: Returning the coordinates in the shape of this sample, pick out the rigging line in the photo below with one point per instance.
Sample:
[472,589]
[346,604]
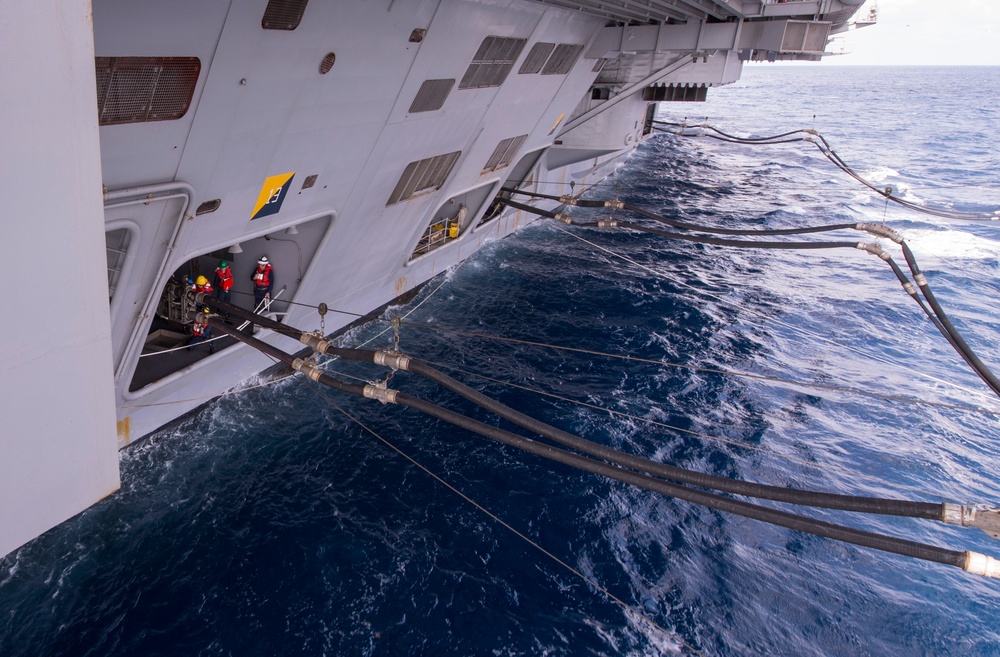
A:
[792,327]
[531,542]
[699,434]
[410,311]
[309,305]
[710,370]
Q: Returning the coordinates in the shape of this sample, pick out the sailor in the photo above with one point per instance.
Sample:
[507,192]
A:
[201,331]
[223,282]
[263,281]
[201,284]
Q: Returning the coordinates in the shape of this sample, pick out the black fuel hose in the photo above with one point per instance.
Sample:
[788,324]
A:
[945,323]
[859,537]
[824,147]
[926,510]
[284,357]
[684,225]
[363,355]
[912,509]
[719,241]
[936,313]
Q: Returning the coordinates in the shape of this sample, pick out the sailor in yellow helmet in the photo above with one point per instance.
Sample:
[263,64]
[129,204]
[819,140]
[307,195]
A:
[201,284]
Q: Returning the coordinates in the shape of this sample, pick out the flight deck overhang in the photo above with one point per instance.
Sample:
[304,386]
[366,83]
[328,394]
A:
[682,11]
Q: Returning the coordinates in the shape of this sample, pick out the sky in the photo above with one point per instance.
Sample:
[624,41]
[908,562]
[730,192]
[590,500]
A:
[925,32]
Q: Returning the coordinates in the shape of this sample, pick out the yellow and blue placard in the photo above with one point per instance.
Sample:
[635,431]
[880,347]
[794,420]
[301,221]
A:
[272,195]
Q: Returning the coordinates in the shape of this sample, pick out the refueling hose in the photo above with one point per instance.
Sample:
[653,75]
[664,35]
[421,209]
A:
[944,512]
[820,142]
[969,561]
[935,313]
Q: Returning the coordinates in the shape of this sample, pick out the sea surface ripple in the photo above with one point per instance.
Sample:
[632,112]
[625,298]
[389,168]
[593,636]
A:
[280,521]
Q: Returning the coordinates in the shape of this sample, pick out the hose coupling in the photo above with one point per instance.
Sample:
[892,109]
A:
[314,341]
[920,279]
[380,393]
[981,564]
[563,218]
[392,359]
[568,200]
[607,223]
[307,368]
[986,518]
[617,205]
[878,230]
[874,249]
[909,288]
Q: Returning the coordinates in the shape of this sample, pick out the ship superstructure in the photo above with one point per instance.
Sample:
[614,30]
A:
[360,146]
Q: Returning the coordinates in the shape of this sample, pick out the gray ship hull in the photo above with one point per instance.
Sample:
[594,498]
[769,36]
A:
[360,146]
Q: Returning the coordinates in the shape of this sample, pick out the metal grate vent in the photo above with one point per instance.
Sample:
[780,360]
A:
[327,64]
[208,206]
[283,14]
[432,95]
[492,63]
[562,60]
[423,176]
[504,153]
[140,89]
[536,57]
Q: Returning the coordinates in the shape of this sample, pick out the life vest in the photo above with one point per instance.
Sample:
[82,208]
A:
[225,278]
[198,328]
[262,277]
[207,287]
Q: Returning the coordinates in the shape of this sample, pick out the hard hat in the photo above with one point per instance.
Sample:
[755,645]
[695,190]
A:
[262,261]
[223,264]
[201,280]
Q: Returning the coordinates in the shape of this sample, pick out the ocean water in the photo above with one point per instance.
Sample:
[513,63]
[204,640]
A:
[287,520]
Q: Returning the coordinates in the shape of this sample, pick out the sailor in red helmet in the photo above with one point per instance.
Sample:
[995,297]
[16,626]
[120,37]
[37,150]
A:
[224,282]
[263,281]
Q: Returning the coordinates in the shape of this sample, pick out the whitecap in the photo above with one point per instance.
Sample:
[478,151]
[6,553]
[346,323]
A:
[952,244]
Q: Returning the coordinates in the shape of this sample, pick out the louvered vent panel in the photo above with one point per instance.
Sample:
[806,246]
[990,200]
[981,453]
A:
[432,95]
[504,153]
[562,59]
[492,63]
[536,58]
[140,89]
[283,14]
[423,175]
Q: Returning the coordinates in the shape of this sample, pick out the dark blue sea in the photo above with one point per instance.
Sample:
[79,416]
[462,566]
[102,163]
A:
[287,520]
